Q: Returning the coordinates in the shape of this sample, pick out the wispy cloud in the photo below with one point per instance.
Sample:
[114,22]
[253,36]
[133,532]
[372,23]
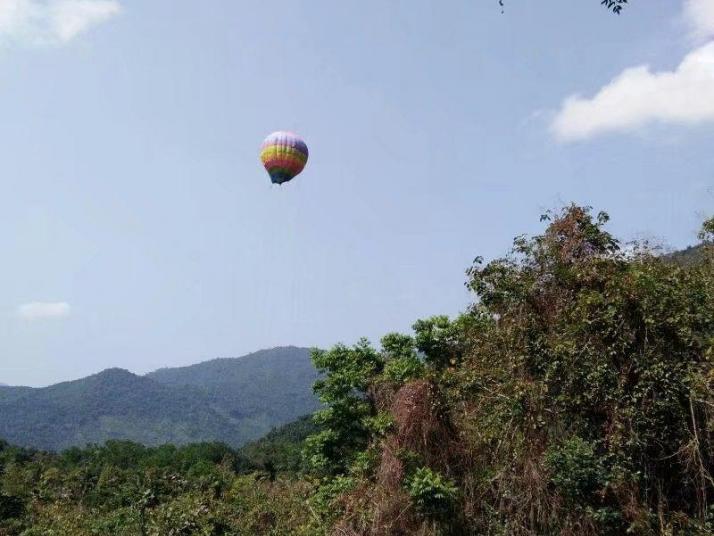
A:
[39,310]
[51,22]
[638,96]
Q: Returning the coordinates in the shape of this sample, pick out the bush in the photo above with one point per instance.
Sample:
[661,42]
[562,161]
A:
[431,494]
[576,471]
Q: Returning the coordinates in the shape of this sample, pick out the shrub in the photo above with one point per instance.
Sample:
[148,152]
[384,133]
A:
[431,493]
[576,471]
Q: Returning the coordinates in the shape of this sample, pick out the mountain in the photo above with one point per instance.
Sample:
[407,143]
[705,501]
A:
[689,256]
[114,404]
[273,386]
[233,400]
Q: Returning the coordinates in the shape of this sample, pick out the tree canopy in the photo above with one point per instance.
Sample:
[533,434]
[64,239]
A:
[575,395]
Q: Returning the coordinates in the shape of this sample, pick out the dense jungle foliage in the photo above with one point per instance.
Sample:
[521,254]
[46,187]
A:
[576,395]
[124,488]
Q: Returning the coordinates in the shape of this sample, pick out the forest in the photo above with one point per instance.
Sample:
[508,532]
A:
[230,400]
[575,395]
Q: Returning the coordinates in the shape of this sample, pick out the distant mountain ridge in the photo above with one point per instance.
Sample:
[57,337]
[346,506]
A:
[234,400]
[272,383]
[688,256]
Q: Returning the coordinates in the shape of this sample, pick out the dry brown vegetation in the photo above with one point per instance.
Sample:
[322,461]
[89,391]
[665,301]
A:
[575,397]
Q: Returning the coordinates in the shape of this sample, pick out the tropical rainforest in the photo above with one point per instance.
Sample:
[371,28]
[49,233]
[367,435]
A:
[574,396]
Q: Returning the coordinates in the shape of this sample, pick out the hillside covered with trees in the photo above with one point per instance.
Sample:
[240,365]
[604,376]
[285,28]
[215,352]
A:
[233,400]
[574,396]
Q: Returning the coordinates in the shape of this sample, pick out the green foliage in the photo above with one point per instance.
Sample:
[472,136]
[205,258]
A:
[403,369]
[326,499]
[322,453]
[348,371]
[607,346]
[379,424]
[345,421]
[576,470]
[695,255]
[707,232]
[690,256]
[364,463]
[431,493]
[282,448]
[397,345]
[123,488]
[401,360]
[442,341]
[574,396]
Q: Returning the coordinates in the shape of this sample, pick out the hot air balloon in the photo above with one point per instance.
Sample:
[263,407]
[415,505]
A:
[284,156]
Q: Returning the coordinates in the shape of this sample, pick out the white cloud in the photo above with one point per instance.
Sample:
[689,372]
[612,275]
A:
[47,22]
[699,15]
[38,310]
[639,96]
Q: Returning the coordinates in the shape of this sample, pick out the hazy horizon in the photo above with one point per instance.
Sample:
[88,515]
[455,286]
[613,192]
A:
[142,232]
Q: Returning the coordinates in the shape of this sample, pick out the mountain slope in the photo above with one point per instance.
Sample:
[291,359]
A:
[273,386]
[113,404]
[231,400]
[689,256]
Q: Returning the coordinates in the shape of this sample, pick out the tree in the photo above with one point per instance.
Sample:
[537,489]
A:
[575,395]
[615,6]
[344,389]
[706,234]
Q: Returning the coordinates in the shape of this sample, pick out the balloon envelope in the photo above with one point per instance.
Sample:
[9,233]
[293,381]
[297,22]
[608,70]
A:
[284,156]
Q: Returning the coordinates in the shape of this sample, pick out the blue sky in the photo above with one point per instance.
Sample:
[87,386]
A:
[140,231]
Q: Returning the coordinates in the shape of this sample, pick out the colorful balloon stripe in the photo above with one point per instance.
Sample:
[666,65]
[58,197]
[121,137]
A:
[278,149]
[284,156]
